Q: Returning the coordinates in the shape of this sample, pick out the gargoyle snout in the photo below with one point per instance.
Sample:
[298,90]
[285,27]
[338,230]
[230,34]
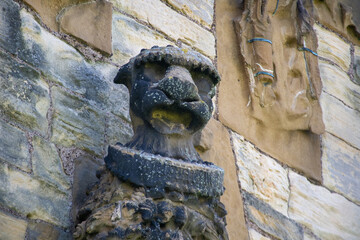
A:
[178,85]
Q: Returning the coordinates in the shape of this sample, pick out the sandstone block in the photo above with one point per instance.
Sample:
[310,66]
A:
[171,23]
[254,235]
[24,96]
[357,65]
[14,146]
[338,83]
[47,164]
[61,63]
[340,120]
[328,215]
[33,198]
[129,37]
[261,175]
[77,123]
[12,228]
[201,11]
[45,231]
[341,167]
[332,47]
[90,22]
[271,221]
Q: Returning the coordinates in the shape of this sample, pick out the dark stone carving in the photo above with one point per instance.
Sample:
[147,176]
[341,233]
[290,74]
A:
[170,99]
[146,196]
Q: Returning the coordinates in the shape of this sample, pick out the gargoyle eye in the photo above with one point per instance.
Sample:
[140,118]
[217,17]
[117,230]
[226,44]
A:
[154,71]
[203,82]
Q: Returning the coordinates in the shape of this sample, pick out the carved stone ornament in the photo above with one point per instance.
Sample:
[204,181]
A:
[157,187]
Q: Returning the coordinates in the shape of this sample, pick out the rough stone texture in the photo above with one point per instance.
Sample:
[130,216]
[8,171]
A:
[171,23]
[333,48]
[90,22]
[33,198]
[61,63]
[357,65]
[38,230]
[119,130]
[49,9]
[341,167]
[201,11]
[77,123]
[221,154]
[340,120]
[14,146]
[129,37]
[302,149]
[84,179]
[260,175]
[338,84]
[24,96]
[12,228]
[254,235]
[270,220]
[47,164]
[328,215]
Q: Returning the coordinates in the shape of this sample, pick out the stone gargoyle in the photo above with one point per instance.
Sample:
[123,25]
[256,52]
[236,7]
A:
[170,99]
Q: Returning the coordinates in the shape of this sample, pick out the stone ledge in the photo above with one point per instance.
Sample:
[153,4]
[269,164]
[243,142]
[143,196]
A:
[155,171]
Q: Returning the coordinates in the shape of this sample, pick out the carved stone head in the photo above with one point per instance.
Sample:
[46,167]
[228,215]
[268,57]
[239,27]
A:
[170,99]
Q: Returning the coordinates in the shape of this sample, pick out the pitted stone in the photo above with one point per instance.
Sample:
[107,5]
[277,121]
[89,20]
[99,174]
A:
[155,171]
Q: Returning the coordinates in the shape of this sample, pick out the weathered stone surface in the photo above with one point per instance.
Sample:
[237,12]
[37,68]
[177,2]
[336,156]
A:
[47,164]
[337,83]
[12,228]
[270,220]
[90,22]
[119,130]
[298,149]
[61,63]
[129,37]
[340,120]
[24,96]
[43,231]
[77,123]
[84,178]
[9,25]
[221,154]
[33,198]
[201,11]
[332,47]
[357,65]
[254,235]
[328,215]
[48,10]
[341,167]
[14,146]
[170,23]
[152,171]
[261,175]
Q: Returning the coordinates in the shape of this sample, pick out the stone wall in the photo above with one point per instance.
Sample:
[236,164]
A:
[59,110]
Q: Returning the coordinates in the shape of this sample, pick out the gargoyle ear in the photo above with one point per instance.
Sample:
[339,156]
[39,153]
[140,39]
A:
[124,75]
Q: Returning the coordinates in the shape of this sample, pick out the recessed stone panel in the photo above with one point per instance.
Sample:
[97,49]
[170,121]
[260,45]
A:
[341,167]
[91,22]
[170,23]
[328,215]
